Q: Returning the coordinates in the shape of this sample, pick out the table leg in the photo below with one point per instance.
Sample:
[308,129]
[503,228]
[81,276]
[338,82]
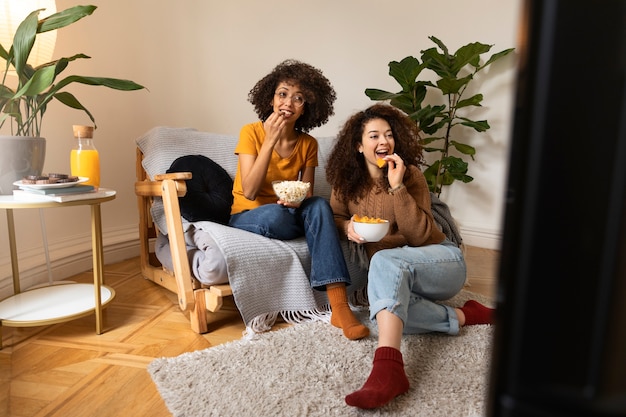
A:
[13,247]
[98,262]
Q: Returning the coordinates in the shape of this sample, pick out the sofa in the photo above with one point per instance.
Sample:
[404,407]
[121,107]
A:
[268,278]
[204,260]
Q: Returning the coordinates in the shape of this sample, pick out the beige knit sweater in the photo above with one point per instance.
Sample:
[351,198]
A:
[408,211]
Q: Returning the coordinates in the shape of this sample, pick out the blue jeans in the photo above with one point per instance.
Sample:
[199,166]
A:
[313,220]
[408,280]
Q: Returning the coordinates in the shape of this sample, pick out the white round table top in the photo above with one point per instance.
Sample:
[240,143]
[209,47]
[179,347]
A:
[52,304]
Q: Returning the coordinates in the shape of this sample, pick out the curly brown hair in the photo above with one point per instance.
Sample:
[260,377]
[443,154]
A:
[346,169]
[319,94]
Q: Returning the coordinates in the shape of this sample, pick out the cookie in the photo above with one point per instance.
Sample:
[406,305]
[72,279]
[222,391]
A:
[45,180]
[67,179]
[32,179]
[58,176]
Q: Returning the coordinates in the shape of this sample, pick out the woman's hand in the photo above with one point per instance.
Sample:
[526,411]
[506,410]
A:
[290,205]
[351,234]
[274,127]
[395,171]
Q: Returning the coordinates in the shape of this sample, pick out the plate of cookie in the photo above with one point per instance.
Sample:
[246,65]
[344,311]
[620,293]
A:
[42,182]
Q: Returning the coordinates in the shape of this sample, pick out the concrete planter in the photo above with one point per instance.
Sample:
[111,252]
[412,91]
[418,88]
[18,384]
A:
[19,156]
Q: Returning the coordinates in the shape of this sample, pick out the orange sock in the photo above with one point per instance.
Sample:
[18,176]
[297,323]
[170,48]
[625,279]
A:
[386,381]
[342,315]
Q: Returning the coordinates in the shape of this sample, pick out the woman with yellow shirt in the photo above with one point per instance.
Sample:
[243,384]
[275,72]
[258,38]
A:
[290,101]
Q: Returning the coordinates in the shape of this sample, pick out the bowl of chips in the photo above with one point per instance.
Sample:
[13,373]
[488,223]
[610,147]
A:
[293,192]
[372,229]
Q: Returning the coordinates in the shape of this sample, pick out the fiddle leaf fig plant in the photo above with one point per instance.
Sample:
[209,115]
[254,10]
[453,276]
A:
[36,87]
[438,122]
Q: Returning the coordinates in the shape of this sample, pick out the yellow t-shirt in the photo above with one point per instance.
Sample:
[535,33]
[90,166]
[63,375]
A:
[251,138]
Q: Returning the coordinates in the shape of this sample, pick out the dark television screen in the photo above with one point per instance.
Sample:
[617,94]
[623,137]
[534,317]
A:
[560,335]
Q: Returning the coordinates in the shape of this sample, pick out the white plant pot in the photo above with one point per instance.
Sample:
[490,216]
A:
[20,156]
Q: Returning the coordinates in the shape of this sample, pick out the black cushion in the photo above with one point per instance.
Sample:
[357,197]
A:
[209,191]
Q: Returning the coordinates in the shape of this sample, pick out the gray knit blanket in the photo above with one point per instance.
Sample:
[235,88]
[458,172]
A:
[273,279]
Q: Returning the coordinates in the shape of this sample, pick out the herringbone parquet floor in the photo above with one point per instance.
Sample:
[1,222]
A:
[67,370]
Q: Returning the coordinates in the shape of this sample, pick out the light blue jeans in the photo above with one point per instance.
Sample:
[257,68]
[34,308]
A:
[313,220]
[407,281]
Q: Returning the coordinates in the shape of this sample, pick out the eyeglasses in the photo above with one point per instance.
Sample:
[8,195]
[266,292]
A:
[296,99]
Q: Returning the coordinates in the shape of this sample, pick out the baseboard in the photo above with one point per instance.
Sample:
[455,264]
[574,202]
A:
[73,257]
[68,259]
[480,237]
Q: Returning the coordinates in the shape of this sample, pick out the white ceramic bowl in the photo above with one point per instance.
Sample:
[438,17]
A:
[293,192]
[372,232]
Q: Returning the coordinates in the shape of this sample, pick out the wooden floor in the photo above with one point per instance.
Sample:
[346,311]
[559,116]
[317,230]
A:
[67,370]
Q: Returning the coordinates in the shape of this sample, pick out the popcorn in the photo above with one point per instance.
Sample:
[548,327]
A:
[291,191]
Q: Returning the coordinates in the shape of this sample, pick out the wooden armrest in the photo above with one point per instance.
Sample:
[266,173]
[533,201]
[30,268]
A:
[173,176]
[155,188]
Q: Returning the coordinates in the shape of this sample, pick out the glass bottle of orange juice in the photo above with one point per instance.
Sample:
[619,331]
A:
[84,158]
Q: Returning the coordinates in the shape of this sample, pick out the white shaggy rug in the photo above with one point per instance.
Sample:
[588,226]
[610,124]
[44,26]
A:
[307,370]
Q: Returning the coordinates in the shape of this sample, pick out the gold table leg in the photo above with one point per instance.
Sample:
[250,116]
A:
[13,247]
[98,262]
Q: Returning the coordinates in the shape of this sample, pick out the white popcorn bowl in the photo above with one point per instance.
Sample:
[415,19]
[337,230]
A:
[293,192]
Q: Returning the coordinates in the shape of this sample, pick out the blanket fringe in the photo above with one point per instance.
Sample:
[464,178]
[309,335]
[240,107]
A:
[264,322]
[359,300]
[358,255]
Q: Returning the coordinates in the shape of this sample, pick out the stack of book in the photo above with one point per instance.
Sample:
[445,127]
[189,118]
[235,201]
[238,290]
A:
[59,194]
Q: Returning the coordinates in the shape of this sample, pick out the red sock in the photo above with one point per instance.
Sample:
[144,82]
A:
[476,313]
[386,381]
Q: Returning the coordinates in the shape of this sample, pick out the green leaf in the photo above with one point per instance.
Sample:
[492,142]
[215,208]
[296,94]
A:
[5,93]
[406,71]
[4,54]
[451,85]
[434,127]
[65,18]
[435,61]
[23,41]
[472,101]
[440,44]
[469,54]
[115,83]
[427,115]
[404,102]
[71,101]
[379,95]
[41,80]
[460,177]
[463,148]
[479,126]
[497,56]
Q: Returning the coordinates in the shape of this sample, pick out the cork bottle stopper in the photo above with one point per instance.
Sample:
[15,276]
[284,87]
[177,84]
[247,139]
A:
[83,131]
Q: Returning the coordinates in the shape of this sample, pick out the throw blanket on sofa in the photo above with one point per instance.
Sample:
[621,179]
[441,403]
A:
[273,280]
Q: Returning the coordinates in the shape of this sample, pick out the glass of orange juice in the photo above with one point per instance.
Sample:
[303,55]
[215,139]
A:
[84,158]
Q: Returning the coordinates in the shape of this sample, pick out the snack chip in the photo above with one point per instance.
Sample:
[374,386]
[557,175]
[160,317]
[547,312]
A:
[366,219]
[381,162]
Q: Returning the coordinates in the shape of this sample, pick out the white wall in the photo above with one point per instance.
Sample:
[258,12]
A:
[199,59]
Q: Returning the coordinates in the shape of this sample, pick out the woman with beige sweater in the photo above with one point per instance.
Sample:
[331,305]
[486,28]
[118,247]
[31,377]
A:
[414,265]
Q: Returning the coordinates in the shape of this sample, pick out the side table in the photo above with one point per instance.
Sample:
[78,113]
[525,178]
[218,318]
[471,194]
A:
[63,302]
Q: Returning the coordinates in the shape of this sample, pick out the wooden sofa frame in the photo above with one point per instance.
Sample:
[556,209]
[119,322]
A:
[194,298]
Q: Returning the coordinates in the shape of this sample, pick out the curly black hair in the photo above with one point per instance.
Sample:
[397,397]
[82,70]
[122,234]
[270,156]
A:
[318,93]
[346,169]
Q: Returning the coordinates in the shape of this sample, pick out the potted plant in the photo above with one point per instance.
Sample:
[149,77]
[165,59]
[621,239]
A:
[437,122]
[25,105]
